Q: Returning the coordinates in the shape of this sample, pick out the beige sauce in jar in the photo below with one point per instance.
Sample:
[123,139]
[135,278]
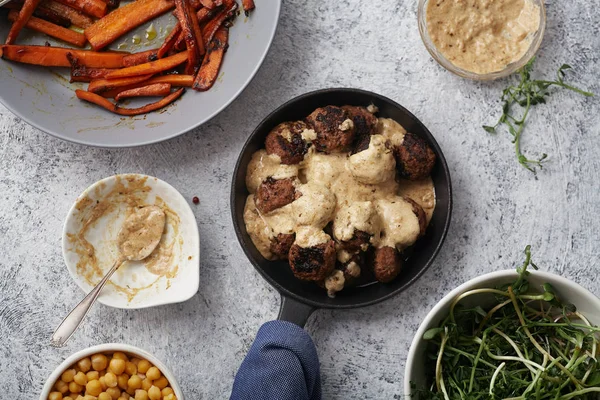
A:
[482,36]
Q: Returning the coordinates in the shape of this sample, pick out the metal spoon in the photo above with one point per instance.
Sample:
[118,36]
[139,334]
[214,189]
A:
[137,239]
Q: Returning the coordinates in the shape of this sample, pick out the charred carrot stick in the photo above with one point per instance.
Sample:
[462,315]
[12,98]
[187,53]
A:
[124,19]
[173,80]
[169,42]
[140,58]
[204,14]
[95,8]
[50,29]
[182,12]
[76,17]
[81,73]
[27,10]
[42,12]
[248,5]
[212,61]
[196,30]
[153,67]
[103,85]
[57,56]
[155,90]
[102,102]
[214,24]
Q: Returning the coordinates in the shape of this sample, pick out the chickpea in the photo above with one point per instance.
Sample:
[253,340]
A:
[85,364]
[102,383]
[114,392]
[135,361]
[93,388]
[170,397]
[99,362]
[91,375]
[75,388]
[143,366]
[116,366]
[61,386]
[146,384]
[130,368]
[80,379]
[135,382]
[89,397]
[154,393]
[123,398]
[161,382]
[166,391]
[55,396]
[67,398]
[153,373]
[68,375]
[122,381]
[131,391]
[119,355]
[104,396]
[141,395]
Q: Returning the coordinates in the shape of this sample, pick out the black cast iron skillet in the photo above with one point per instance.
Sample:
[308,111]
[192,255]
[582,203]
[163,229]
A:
[299,299]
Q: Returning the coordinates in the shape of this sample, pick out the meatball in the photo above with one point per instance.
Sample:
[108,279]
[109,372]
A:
[281,244]
[414,158]
[420,213]
[360,241]
[334,129]
[286,141]
[387,264]
[273,194]
[313,263]
[365,122]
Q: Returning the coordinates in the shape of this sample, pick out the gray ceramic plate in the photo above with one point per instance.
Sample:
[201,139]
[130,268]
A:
[45,98]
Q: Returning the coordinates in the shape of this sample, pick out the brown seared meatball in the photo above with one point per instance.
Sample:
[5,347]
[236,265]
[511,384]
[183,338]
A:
[273,193]
[365,124]
[414,158]
[387,264]
[420,213]
[281,244]
[326,122]
[312,263]
[360,241]
[286,141]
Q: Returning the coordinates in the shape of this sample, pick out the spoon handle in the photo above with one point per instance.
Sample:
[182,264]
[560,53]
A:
[72,321]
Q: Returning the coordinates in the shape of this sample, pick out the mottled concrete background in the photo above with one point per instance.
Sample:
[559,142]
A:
[499,206]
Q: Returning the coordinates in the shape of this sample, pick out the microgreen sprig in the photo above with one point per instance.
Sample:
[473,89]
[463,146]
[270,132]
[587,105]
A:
[527,345]
[529,92]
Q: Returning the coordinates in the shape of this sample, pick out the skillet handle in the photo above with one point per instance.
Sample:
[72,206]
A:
[293,311]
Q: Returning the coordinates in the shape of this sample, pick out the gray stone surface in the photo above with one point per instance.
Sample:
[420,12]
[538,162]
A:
[499,206]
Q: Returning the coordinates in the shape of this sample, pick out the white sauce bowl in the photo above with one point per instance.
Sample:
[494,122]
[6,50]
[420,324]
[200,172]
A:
[567,291]
[110,348]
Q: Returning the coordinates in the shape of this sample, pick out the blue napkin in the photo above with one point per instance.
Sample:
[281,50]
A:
[282,364]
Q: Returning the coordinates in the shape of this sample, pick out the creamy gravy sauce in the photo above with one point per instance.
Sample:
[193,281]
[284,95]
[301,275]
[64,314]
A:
[356,192]
[482,36]
[141,232]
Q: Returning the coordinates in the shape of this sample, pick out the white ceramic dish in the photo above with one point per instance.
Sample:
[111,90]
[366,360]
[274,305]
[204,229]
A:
[566,290]
[109,348]
[45,99]
[133,285]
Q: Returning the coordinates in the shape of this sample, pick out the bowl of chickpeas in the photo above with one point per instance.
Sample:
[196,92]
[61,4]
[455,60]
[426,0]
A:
[111,372]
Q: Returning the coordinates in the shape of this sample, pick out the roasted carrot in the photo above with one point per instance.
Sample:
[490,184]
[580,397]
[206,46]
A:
[211,27]
[153,67]
[102,102]
[112,4]
[140,58]
[248,5]
[27,10]
[43,13]
[81,73]
[95,8]
[173,80]
[196,30]
[204,14]
[210,4]
[123,20]
[169,42]
[212,61]
[183,14]
[155,90]
[76,17]
[103,85]
[50,29]
[57,56]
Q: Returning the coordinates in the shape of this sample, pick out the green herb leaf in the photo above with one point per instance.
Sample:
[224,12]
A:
[489,129]
[432,333]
